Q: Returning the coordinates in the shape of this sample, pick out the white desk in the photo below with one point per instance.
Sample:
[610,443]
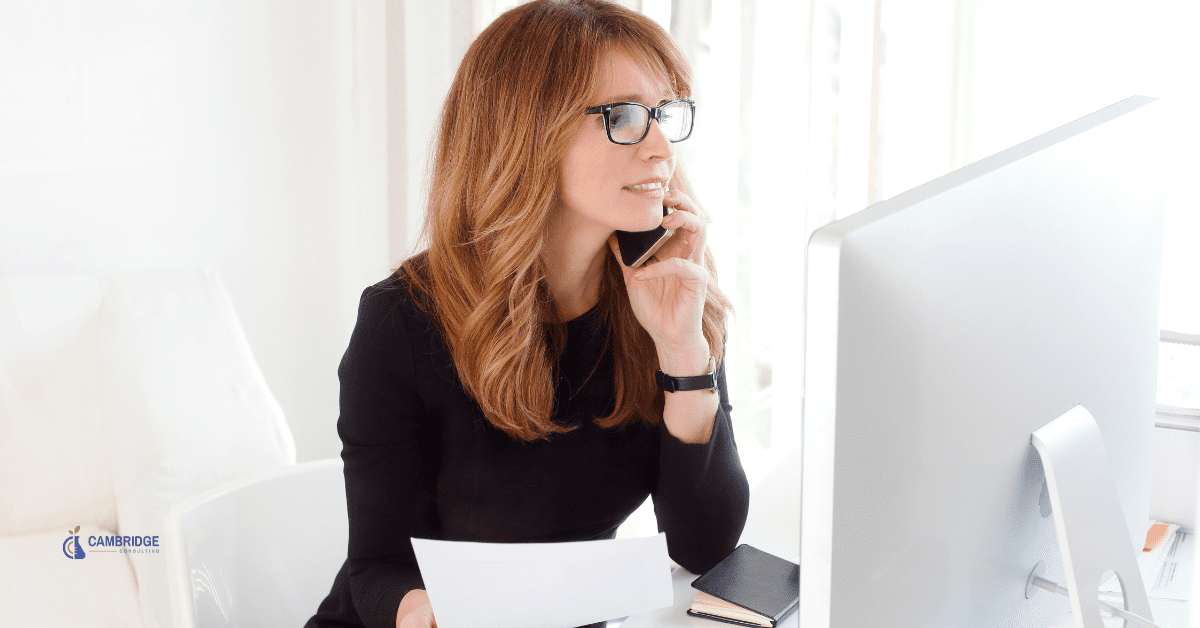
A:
[676,614]
[1168,614]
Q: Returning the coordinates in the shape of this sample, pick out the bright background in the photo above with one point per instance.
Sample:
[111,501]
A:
[284,144]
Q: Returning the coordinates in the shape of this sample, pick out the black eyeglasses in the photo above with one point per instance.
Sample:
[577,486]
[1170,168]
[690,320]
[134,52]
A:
[629,122]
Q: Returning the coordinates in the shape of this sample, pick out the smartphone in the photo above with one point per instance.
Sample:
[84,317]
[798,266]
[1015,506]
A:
[637,246]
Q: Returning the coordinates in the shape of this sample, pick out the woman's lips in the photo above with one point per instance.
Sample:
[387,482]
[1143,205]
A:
[652,193]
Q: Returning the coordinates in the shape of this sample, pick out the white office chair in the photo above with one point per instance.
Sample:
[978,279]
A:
[260,551]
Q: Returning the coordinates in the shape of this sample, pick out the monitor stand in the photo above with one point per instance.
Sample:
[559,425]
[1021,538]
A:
[1091,528]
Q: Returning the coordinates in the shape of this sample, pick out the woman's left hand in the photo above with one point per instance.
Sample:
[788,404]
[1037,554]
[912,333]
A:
[667,295]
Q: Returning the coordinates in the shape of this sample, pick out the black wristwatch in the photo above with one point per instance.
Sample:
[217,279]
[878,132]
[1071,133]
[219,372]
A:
[695,382]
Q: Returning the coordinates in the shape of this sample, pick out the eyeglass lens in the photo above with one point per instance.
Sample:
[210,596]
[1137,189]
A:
[627,123]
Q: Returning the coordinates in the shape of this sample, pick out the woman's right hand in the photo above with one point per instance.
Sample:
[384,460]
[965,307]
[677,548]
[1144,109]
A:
[415,611]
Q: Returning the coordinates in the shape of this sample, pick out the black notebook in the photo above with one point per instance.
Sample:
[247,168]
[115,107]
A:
[751,580]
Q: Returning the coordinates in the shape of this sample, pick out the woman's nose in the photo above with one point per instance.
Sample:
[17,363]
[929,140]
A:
[655,144]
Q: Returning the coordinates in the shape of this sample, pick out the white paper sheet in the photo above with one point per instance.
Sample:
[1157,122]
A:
[1173,581]
[543,585]
[1166,570]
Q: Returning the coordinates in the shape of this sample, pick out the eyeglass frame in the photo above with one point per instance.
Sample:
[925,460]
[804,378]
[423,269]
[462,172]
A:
[654,113]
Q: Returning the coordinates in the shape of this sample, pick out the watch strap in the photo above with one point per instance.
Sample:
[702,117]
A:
[671,384]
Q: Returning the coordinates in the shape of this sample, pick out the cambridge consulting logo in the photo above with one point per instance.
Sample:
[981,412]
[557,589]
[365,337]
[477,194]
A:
[71,547]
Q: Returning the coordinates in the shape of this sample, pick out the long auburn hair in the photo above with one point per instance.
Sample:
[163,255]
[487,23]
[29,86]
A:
[513,109]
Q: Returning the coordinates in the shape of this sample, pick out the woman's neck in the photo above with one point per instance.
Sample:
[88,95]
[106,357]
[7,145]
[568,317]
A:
[573,255]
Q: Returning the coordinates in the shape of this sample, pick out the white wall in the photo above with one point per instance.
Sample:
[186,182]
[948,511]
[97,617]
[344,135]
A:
[245,136]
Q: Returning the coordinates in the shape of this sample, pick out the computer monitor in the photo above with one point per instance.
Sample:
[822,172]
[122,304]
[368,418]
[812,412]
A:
[944,326]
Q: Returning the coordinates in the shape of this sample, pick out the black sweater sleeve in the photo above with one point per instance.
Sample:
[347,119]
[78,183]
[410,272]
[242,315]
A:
[380,428]
[702,496]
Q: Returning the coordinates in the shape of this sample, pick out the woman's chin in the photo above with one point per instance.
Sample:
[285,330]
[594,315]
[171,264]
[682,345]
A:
[645,221]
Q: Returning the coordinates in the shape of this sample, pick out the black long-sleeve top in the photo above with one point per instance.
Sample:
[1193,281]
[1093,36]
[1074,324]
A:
[422,461]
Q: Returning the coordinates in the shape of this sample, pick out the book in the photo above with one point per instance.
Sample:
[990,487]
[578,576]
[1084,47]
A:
[712,607]
[749,587]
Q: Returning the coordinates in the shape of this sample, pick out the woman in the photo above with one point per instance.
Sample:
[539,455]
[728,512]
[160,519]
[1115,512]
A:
[501,385]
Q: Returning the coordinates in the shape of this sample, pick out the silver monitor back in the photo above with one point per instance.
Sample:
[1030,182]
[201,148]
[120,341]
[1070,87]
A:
[943,327]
